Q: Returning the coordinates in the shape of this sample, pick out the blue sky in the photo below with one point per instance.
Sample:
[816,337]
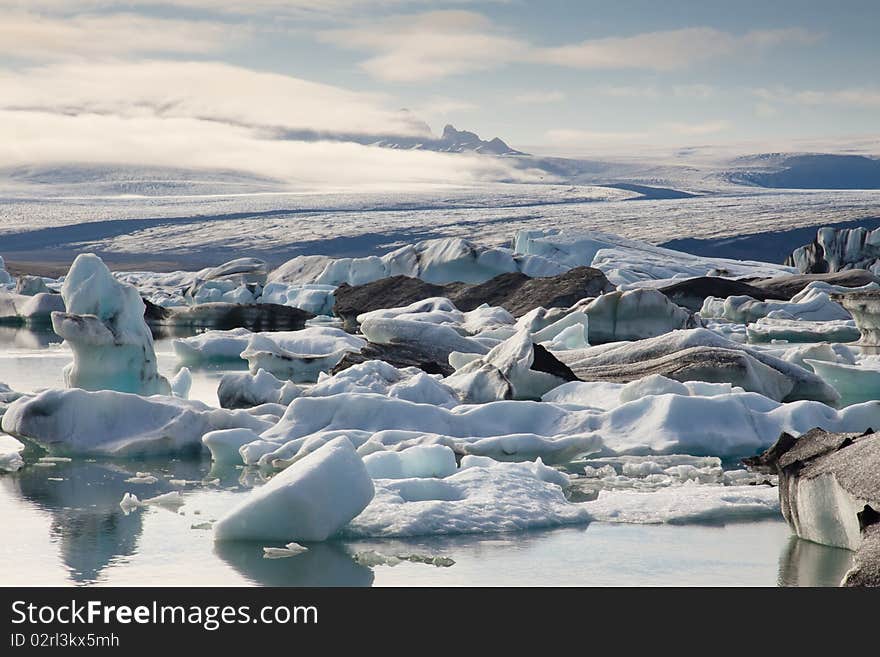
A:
[551,76]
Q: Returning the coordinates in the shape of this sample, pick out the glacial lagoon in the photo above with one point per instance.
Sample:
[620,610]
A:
[69,527]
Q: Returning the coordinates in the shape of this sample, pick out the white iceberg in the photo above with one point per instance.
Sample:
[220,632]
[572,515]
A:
[105,328]
[436,261]
[627,261]
[300,356]
[634,315]
[113,423]
[10,454]
[309,501]
[419,461]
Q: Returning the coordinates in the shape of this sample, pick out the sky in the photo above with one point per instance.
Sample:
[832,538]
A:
[218,82]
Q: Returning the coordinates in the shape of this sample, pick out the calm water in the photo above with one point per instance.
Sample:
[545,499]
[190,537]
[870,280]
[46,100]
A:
[63,525]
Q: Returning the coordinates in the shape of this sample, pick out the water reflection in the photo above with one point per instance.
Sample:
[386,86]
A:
[83,497]
[27,338]
[803,563]
[325,564]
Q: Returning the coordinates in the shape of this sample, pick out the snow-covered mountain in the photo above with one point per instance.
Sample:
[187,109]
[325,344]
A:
[452,141]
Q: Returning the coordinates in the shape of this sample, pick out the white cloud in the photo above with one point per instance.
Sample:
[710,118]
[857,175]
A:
[440,43]
[540,97]
[37,138]
[274,8]
[181,114]
[573,137]
[201,90]
[696,129]
[668,50]
[33,36]
[852,97]
[429,45]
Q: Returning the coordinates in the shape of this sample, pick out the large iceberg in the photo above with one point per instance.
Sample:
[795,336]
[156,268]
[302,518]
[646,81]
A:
[627,261]
[634,315]
[104,327]
[309,501]
[699,355]
[120,424]
[435,261]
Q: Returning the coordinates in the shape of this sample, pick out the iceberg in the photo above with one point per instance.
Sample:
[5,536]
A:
[626,261]
[104,326]
[118,424]
[10,454]
[515,369]
[309,501]
[435,261]
[480,499]
[29,310]
[698,355]
[829,487]
[300,356]
[634,315]
[415,462]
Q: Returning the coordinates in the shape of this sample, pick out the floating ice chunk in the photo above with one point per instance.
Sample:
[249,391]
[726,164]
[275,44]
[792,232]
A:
[119,424]
[768,329]
[289,550]
[535,468]
[105,328]
[245,390]
[173,501]
[509,371]
[300,355]
[371,558]
[499,498]
[379,377]
[833,353]
[28,309]
[688,503]
[225,444]
[419,461]
[181,384]
[436,261]
[142,478]
[435,338]
[10,454]
[855,383]
[212,346]
[316,299]
[130,503]
[828,484]
[634,315]
[810,304]
[627,261]
[699,355]
[309,501]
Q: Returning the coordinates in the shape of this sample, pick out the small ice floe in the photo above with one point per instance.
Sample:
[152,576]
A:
[171,501]
[289,550]
[142,478]
[372,558]
[55,459]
